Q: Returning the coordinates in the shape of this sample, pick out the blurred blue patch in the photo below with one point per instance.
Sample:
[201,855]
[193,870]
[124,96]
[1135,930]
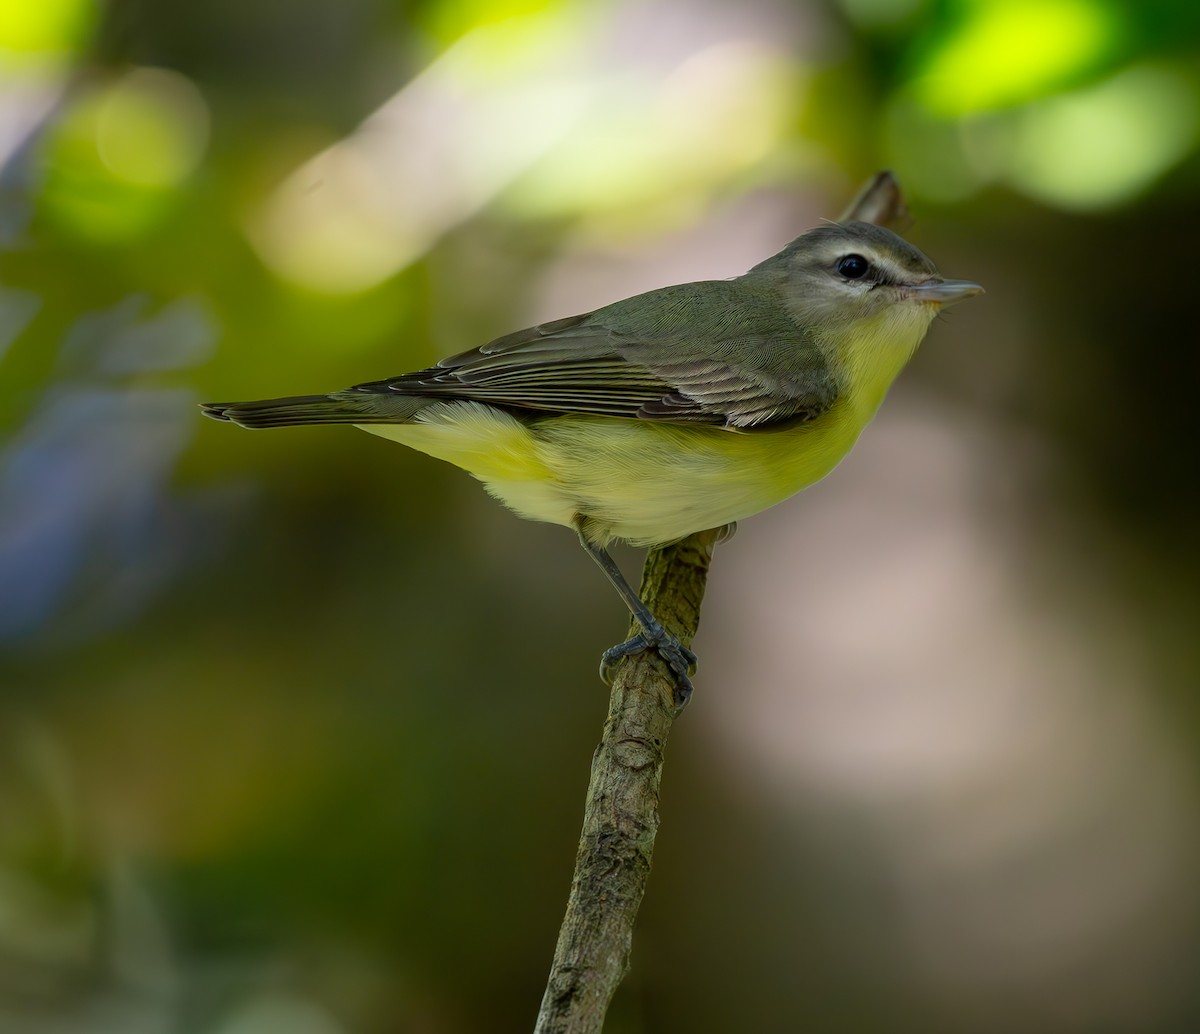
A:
[89,529]
[112,343]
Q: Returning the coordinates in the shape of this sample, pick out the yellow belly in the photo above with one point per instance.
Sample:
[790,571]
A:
[642,481]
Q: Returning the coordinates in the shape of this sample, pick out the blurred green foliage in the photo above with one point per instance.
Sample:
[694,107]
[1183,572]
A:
[296,726]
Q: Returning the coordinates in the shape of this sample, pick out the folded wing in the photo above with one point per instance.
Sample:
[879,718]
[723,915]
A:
[711,353]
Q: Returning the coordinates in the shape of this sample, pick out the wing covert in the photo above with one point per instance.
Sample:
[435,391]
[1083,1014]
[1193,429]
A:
[742,366]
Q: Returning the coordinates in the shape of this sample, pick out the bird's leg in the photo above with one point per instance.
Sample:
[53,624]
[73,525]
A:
[679,658]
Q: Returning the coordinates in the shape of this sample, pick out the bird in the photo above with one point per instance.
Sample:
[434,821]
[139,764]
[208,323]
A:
[683,409]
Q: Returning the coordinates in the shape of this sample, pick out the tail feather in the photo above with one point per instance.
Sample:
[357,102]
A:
[338,408]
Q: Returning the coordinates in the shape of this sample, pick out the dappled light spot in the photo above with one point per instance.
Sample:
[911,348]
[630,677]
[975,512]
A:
[1102,145]
[651,147]
[434,154]
[1088,148]
[1006,53]
[120,154]
[532,121]
[152,128]
[32,30]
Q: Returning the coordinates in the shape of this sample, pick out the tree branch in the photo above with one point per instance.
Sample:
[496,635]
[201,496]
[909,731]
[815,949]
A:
[621,816]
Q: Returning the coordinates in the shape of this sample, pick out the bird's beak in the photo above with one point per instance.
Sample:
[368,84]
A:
[945,292]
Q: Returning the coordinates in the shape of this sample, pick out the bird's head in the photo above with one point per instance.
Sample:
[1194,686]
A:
[864,296]
[842,273]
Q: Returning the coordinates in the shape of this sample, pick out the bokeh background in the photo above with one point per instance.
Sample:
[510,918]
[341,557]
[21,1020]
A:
[295,727]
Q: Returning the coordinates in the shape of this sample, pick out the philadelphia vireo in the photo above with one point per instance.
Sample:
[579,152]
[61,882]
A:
[675,411]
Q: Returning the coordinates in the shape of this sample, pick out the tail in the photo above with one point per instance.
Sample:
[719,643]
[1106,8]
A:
[342,407]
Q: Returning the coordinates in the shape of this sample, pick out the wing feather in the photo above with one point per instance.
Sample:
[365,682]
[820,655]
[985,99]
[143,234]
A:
[719,353]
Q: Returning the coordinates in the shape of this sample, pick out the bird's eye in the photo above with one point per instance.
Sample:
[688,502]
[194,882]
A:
[853,267]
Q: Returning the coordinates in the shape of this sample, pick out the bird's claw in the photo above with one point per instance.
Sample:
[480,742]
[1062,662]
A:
[678,658]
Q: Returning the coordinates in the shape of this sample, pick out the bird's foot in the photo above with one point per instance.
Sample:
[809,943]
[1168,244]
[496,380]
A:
[678,657]
[725,532]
